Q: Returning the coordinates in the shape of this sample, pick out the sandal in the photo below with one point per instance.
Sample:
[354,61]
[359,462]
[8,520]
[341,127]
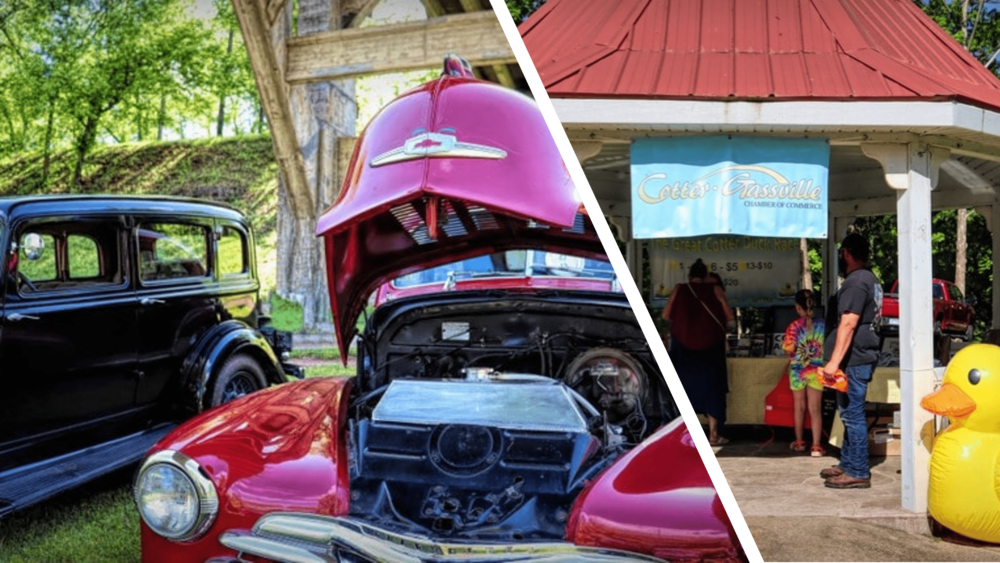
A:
[798,446]
[719,441]
[817,451]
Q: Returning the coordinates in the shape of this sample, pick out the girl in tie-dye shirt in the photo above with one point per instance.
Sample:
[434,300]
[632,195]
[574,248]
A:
[804,344]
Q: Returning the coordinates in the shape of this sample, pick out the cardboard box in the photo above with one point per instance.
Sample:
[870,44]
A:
[884,442]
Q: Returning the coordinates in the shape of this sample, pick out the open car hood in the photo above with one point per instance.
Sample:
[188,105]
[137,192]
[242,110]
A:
[456,168]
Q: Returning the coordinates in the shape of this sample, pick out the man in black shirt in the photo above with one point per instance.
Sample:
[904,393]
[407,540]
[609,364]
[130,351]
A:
[854,348]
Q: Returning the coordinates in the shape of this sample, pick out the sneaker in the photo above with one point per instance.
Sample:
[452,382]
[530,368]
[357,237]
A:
[817,451]
[797,446]
[845,481]
[831,472]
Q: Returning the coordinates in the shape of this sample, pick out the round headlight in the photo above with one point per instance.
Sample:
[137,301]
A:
[174,498]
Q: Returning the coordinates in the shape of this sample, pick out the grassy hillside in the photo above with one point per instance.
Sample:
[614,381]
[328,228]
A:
[239,171]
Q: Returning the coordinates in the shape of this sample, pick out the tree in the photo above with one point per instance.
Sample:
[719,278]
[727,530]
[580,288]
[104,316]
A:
[75,73]
[521,9]
[976,26]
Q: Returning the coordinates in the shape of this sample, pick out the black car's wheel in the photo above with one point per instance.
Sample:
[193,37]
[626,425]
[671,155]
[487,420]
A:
[239,376]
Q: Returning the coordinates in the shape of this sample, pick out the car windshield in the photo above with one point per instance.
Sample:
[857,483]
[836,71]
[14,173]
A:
[527,263]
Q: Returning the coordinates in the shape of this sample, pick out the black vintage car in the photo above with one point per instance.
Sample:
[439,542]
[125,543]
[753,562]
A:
[120,316]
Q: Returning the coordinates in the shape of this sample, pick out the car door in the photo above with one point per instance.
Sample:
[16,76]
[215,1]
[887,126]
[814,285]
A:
[177,297]
[68,345]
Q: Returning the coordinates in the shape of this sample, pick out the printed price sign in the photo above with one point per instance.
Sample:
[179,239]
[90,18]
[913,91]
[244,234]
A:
[756,272]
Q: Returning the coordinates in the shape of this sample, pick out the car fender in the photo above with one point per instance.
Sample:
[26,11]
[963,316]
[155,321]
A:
[211,351]
[663,480]
[280,449]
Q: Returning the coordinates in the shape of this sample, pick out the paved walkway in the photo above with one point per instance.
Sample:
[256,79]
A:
[793,517]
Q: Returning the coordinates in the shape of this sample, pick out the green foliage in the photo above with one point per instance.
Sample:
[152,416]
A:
[521,9]
[77,74]
[883,234]
[977,29]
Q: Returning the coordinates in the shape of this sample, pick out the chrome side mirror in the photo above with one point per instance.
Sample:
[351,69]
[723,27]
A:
[32,246]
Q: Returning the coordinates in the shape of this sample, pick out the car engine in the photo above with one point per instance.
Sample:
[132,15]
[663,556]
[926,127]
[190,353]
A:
[475,423]
[509,453]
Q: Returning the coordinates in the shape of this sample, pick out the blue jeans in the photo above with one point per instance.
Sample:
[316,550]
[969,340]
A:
[854,452]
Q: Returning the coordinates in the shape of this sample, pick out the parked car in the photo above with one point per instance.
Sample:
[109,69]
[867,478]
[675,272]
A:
[482,425]
[513,269]
[120,317]
[953,314]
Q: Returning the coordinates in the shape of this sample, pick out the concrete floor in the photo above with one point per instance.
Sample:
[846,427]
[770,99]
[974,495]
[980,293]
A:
[793,517]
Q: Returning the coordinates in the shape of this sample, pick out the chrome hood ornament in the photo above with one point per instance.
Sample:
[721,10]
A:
[443,144]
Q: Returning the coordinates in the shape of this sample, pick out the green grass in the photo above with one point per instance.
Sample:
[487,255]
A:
[286,314]
[97,523]
[331,370]
[316,353]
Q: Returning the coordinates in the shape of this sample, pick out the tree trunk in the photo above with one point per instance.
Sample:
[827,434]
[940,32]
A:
[83,144]
[139,122]
[161,118]
[220,121]
[47,160]
[961,244]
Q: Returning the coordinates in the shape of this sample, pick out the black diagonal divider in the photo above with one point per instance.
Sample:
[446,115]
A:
[637,303]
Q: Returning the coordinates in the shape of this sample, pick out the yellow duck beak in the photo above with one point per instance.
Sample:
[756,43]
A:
[949,401]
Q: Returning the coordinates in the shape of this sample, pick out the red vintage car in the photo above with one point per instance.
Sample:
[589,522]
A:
[481,425]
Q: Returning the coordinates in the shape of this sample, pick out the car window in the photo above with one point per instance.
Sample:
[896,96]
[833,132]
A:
[83,257]
[232,253]
[440,274]
[56,255]
[170,251]
[954,292]
[938,292]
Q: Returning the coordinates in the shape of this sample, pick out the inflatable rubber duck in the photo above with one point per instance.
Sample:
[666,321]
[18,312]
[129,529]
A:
[964,492]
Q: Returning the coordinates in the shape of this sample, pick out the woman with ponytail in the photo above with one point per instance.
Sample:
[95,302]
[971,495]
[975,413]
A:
[803,342]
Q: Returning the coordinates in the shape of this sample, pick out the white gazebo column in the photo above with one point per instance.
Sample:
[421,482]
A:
[913,169]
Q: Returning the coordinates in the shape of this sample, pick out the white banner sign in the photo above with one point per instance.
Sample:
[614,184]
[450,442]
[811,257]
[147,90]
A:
[756,272]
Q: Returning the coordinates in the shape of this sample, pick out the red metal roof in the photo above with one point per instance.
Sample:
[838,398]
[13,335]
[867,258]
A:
[752,50]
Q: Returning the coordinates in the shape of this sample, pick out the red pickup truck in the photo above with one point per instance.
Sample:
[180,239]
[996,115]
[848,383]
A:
[953,314]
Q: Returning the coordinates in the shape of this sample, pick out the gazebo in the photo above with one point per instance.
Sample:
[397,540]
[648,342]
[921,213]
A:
[912,119]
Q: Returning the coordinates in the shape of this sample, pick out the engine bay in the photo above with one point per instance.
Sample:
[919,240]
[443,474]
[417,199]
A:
[484,417]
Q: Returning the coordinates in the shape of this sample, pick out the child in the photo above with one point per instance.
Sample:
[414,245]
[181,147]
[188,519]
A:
[804,344]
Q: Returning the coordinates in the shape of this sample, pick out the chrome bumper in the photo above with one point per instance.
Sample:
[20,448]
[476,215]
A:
[310,538]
